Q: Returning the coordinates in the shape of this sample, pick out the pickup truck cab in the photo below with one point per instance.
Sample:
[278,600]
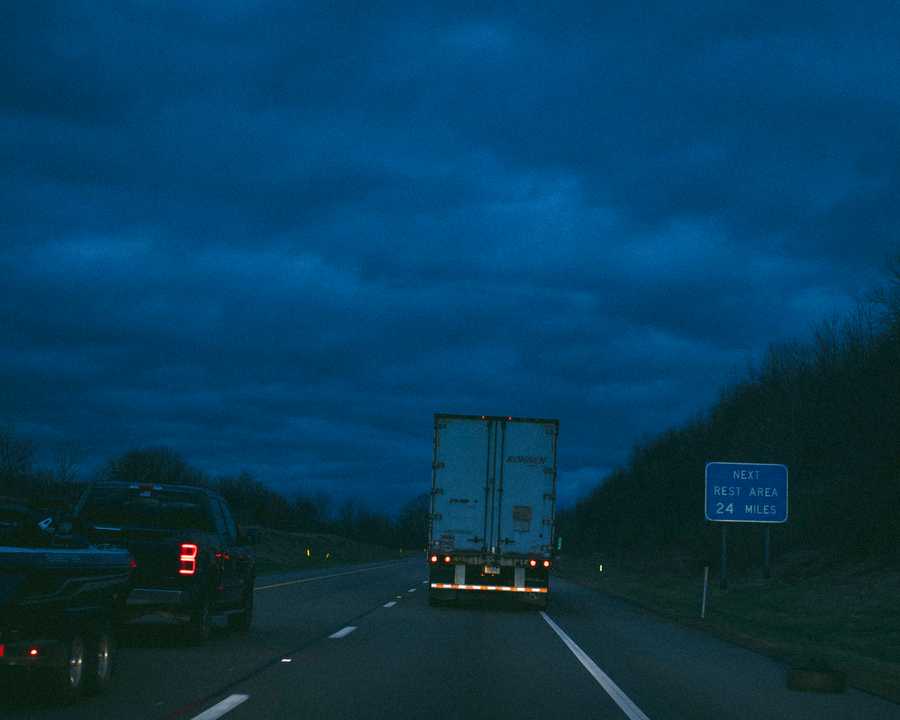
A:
[192,560]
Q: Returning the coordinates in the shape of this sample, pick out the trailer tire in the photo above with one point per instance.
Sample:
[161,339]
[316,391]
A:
[100,662]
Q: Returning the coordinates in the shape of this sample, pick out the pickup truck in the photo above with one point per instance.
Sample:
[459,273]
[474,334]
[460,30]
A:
[192,560]
[58,596]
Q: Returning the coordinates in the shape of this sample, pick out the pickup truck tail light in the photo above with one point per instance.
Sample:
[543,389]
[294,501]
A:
[546,563]
[434,558]
[188,559]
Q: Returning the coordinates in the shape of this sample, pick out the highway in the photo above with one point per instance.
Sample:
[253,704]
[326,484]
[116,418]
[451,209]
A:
[362,642]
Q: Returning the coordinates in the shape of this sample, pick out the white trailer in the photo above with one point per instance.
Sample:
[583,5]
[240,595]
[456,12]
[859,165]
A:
[493,506]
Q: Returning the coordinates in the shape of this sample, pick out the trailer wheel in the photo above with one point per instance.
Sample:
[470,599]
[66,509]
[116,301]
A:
[68,680]
[100,661]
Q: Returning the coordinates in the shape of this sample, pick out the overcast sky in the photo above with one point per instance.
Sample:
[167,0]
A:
[280,235]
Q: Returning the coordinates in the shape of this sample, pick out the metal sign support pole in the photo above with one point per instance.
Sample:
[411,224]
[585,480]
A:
[723,566]
[766,572]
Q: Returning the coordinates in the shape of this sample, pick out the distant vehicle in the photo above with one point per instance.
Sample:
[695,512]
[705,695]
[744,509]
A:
[57,601]
[193,561]
[493,506]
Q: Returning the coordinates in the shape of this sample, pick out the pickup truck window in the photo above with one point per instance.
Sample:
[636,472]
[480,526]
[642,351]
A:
[230,525]
[18,527]
[144,509]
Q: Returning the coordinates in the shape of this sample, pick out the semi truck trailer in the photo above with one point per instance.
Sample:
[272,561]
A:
[493,507]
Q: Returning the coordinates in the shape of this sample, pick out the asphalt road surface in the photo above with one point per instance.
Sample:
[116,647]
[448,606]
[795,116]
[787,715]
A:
[362,642]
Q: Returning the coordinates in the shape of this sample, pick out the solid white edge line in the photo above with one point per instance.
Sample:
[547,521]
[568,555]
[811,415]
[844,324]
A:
[614,691]
[219,709]
[390,604]
[343,632]
[324,577]
[411,590]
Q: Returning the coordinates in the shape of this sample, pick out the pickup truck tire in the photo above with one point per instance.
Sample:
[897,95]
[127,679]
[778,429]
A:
[100,660]
[241,621]
[67,681]
[200,624]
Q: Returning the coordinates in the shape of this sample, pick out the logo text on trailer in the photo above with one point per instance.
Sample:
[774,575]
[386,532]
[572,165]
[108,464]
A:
[526,459]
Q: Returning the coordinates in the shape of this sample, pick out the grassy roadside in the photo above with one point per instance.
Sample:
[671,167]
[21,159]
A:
[845,616]
[278,551]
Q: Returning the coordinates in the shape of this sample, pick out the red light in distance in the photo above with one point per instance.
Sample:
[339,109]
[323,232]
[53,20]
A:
[446,558]
[533,563]
[33,652]
[434,558]
[546,563]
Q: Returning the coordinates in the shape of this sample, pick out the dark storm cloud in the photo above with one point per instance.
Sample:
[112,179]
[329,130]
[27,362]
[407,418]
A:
[279,237]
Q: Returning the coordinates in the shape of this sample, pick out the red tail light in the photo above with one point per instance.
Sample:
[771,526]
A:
[132,563]
[2,649]
[434,558]
[533,563]
[33,652]
[447,558]
[188,559]
[546,563]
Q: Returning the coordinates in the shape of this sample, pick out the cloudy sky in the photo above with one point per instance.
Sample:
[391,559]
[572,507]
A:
[280,235]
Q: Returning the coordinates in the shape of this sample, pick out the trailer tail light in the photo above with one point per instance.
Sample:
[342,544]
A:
[188,559]
[447,558]
[546,563]
[434,558]
[533,563]
[33,652]
[2,649]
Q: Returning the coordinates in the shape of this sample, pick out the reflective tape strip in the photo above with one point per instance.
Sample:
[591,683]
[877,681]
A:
[500,588]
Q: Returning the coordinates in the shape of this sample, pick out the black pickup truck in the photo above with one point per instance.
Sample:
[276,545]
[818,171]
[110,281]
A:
[192,560]
[58,596]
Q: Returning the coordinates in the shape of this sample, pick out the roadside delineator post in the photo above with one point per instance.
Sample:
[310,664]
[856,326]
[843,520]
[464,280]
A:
[705,585]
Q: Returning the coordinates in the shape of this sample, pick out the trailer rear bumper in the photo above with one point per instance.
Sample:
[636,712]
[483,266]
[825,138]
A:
[495,588]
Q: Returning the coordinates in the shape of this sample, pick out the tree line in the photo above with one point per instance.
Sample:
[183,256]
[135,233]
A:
[57,489]
[829,409]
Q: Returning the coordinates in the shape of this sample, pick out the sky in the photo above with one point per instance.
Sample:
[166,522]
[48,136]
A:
[279,236]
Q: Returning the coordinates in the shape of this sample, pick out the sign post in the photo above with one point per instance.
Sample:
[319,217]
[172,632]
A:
[745,493]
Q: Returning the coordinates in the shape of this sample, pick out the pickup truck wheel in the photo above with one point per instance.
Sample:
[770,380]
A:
[100,660]
[200,624]
[67,680]
[241,621]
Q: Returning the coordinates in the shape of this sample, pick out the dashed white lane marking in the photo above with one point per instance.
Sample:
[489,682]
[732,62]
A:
[614,691]
[322,577]
[343,632]
[424,582]
[411,590]
[390,604]
[219,709]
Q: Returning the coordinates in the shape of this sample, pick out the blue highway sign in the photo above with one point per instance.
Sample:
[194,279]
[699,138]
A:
[746,492]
